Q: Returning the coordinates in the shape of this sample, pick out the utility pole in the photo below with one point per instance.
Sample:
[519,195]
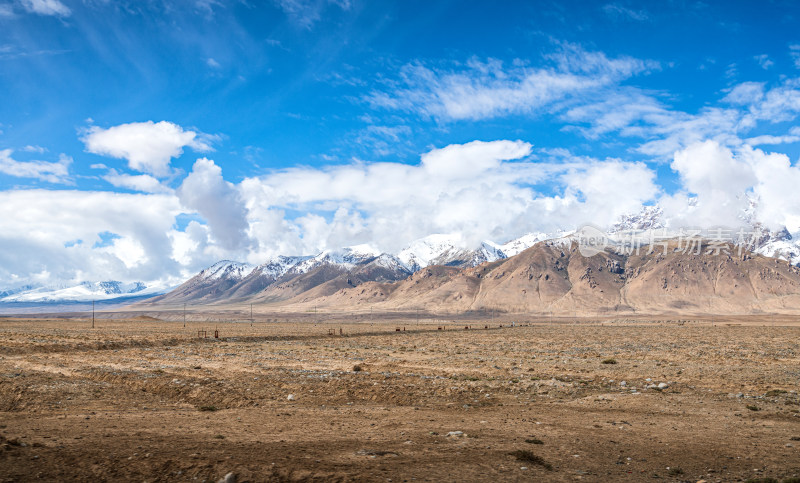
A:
[251,315]
[184,316]
[93,314]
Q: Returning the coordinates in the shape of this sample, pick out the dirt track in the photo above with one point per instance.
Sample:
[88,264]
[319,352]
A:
[147,400]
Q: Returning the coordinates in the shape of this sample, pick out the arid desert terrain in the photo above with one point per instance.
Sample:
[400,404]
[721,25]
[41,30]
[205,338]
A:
[142,399]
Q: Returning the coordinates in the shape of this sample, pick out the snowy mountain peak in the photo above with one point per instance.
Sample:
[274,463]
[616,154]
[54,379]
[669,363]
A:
[347,257]
[524,242]
[226,269]
[84,291]
[278,266]
[431,249]
[647,219]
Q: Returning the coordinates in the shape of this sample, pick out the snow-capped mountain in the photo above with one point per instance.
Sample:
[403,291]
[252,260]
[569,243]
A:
[278,266]
[361,263]
[509,249]
[226,269]
[347,257]
[445,249]
[84,291]
[650,218]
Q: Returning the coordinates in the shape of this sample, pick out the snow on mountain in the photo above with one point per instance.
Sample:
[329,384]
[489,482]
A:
[524,242]
[647,219]
[85,291]
[226,269]
[430,250]
[391,262]
[347,257]
[279,266]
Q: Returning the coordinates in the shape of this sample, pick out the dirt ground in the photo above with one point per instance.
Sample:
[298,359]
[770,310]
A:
[148,400]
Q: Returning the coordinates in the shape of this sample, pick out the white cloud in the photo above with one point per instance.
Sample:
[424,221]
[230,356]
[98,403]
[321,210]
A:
[479,189]
[141,182]
[62,228]
[615,10]
[47,7]
[764,61]
[57,172]
[794,52]
[306,13]
[216,200]
[147,146]
[212,63]
[718,184]
[632,112]
[483,90]
[770,139]
[6,10]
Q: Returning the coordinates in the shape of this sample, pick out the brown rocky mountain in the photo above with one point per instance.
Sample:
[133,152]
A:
[553,277]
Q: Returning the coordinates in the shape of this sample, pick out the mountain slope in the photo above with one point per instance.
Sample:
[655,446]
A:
[553,277]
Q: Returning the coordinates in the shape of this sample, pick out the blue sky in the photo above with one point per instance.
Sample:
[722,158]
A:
[144,140]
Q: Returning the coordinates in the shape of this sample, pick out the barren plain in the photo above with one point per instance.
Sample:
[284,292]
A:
[279,400]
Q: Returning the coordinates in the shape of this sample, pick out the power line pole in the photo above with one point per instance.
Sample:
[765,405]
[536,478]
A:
[184,316]
[251,315]
[93,314]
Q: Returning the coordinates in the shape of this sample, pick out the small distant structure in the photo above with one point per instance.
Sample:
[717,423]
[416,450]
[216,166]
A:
[216,334]
[332,331]
[201,334]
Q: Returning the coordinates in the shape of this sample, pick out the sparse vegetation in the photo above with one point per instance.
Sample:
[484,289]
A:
[775,392]
[410,396]
[610,360]
[529,457]
[753,407]
[675,471]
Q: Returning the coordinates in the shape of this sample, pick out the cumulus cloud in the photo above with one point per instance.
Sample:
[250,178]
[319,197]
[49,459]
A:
[716,180]
[719,184]
[147,146]
[482,190]
[47,7]
[51,172]
[218,201]
[63,228]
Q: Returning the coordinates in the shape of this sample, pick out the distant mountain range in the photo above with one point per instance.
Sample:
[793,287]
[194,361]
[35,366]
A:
[302,279]
[526,275]
[81,292]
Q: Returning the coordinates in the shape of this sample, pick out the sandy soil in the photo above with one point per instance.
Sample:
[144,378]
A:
[148,400]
